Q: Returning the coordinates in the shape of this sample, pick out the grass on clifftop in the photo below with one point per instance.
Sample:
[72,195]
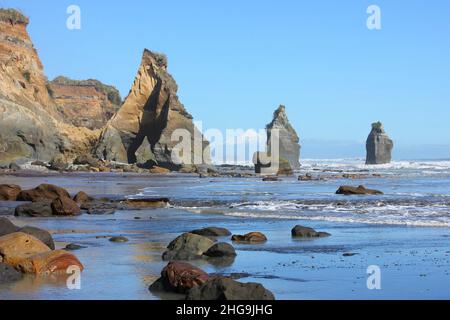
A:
[13,16]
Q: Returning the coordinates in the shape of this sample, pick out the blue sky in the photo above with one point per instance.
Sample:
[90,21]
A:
[236,61]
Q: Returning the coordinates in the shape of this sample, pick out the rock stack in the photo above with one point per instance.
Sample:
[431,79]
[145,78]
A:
[379,146]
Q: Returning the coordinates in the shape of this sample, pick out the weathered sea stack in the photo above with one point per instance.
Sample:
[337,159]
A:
[141,131]
[289,147]
[379,146]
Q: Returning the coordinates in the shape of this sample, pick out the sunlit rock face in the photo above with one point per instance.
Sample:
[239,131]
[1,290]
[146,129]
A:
[379,146]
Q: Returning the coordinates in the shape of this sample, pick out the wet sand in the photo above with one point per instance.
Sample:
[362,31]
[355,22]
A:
[414,261]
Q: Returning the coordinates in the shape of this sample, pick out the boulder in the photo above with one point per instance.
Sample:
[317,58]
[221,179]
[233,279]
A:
[58,163]
[305,232]
[188,246]
[212,232]
[35,209]
[271,179]
[145,203]
[51,262]
[7,227]
[159,170]
[65,207]
[74,247]
[9,192]
[379,146]
[8,274]
[119,239]
[221,288]
[18,246]
[44,192]
[81,198]
[361,190]
[220,250]
[86,159]
[100,208]
[14,166]
[252,237]
[40,234]
[179,277]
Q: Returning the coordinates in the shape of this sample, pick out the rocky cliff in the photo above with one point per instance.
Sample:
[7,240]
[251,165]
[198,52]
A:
[141,131]
[288,143]
[87,103]
[31,126]
[379,146]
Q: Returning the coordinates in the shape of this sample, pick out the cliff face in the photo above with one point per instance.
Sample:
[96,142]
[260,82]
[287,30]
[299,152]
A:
[289,140]
[142,129]
[379,146]
[31,126]
[87,103]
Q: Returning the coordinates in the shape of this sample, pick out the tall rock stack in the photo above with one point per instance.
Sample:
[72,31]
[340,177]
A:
[379,146]
[141,131]
[289,147]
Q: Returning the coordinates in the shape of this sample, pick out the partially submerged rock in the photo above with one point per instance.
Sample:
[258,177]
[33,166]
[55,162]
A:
[305,232]
[40,234]
[188,246]
[212,232]
[252,237]
[145,203]
[220,288]
[65,206]
[81,198]
[119,239]
[220,250]
[16,247]
[9,192]
[361,190]
[35,209]
[8,274]
[379,146]
[51,262]
[44,192]
[7,227]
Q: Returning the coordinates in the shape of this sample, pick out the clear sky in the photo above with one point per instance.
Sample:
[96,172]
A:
[236,61]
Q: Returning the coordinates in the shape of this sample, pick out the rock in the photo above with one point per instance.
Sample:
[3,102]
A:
[271,179]
[220,250]
[40,234]
[379,146]
[361,190]
[99,208]
[85,103]
[15,167]
[82,198]
[306,177]
[212,232]
[188,246]
[65,207]
[179,277]
[7,227]
[288,158]
[305,232]
[141,131]
[35,209]
[8,274]
[220,288]
[43,193]
[52,262]
[119,239]
[74,247]
[349,254]
[146,203]
[159,170]
[252,237]
[58,163]
[86,159]
[9,192]
[15,247]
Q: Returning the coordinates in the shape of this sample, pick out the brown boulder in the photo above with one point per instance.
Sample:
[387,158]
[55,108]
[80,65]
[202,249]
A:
[9,192]
[82,198]
[361,190]
[49,263]
[146,203]
[250,237]
[18,246]
[159,170]
[180,277]
[65,207]
[44,192]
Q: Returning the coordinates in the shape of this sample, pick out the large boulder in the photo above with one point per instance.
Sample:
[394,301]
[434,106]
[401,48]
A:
[252,237]
[188,246]
[18,246]
[379,146]
[44,192]
[65,206]
[361,190]
[86,159]
[220,250]
[179,277]
[212,232]
[51,262]
[35,209]
[9,192]
[8,274]
[40,234]
[305,232]
[7,227]
[220,288]
[82,198]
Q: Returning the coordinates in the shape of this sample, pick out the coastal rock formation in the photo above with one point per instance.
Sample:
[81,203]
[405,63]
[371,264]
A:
[289,147]
[379,146]
[141,131]
[86,103]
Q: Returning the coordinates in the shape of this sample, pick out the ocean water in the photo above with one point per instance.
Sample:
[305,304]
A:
[416,193]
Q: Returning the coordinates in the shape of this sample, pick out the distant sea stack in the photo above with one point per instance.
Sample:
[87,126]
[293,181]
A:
[85,103]
[289,147]
[141,130]
[379,146]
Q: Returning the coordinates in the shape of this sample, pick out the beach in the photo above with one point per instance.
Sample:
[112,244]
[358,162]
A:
[405,232]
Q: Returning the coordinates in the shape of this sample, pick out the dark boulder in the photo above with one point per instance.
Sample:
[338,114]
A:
[361,190]
[7,227]
[212,232]
[82,198]
[65,206]
[44,192]
[305,232]
[220,250]
[188,246]
[8,274]
[9,192]
[35,209]
[40,234]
